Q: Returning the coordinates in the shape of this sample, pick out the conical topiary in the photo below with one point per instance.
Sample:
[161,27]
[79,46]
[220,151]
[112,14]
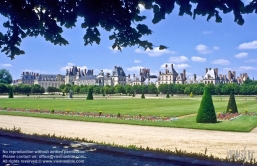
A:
[191,94]
[206,112]
[90,94]
[10,94]
[168,95]
[232,108]
[143,95]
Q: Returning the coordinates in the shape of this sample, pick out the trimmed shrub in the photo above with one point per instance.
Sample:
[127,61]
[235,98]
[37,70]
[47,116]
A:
[168,95]
[10,94]
[232,108]
[191,94]
[143,95]
[52,111]
[206,112]
[118,115]
[90,94]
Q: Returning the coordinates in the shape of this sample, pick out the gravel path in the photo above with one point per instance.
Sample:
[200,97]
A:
[216,142]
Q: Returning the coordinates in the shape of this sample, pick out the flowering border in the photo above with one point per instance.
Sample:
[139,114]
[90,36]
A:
[93,114]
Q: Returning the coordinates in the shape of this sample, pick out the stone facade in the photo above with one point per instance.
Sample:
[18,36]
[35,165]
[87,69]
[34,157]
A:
[76,76]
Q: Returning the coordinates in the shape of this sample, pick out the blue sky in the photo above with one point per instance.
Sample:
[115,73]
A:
[193,45]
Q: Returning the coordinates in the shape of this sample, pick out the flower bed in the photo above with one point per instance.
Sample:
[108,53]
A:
[93,114]
[232,116]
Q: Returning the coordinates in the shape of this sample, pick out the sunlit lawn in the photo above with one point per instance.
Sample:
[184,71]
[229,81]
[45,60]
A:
[173,107]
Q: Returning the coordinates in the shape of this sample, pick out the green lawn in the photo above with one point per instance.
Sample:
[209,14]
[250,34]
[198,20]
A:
[156,107]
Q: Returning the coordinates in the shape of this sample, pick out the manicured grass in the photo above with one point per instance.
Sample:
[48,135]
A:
[172,107]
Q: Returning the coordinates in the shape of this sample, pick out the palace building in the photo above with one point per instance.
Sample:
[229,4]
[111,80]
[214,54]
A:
[77,76]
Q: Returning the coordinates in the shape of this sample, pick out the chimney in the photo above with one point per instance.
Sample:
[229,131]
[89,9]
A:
[209,68]
[184,74]
[206,70]
[166,65]
[133,75]
[217,71]
[166,71]
[160,72]
[23,73]
[229,75]
[67,70]
[85,71]
[115,67]
[220,76]
[140,71]
[194,77]
[92,72]
[128,75]
[234,74]
[171,66]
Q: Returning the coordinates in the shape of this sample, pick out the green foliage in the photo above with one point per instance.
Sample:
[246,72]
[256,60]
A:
[3,88]
[206,112]
[90,93]
[232,107]
[10,95]
[37,89]
[143,96]
[52,111]
[118,114]
[5,76]
[168,95]
[52,89]
[109,16]
[191,94]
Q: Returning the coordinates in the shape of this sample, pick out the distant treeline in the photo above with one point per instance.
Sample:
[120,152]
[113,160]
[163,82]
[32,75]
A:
[249,87]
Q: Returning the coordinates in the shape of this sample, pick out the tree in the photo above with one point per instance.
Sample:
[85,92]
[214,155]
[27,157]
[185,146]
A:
[90,93]
[232,107]
[37,89]
[122,18]
[168,94]
[3,88]
[10,95]
[5,76]
[206,112]
[143,95]
[191,94]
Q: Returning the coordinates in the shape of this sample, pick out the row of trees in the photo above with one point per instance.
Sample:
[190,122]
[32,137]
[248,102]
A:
[248,88]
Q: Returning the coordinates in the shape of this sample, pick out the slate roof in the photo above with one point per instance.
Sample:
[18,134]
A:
[118,71]
[48,76]
[92,77]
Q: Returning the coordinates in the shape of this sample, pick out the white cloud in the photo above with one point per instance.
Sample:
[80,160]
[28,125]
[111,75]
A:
[216,47]
[135,68]
[198,59]
[181,66]
[178,59]
[249,45]
[97,71]
[241,55]
[154,52]
[70,65]
[178,66]
[137,61]
[227,68]
[221,62]
[207,32]
[251,60]
[141,7]
[203,49]
[247,68]
[6,65]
